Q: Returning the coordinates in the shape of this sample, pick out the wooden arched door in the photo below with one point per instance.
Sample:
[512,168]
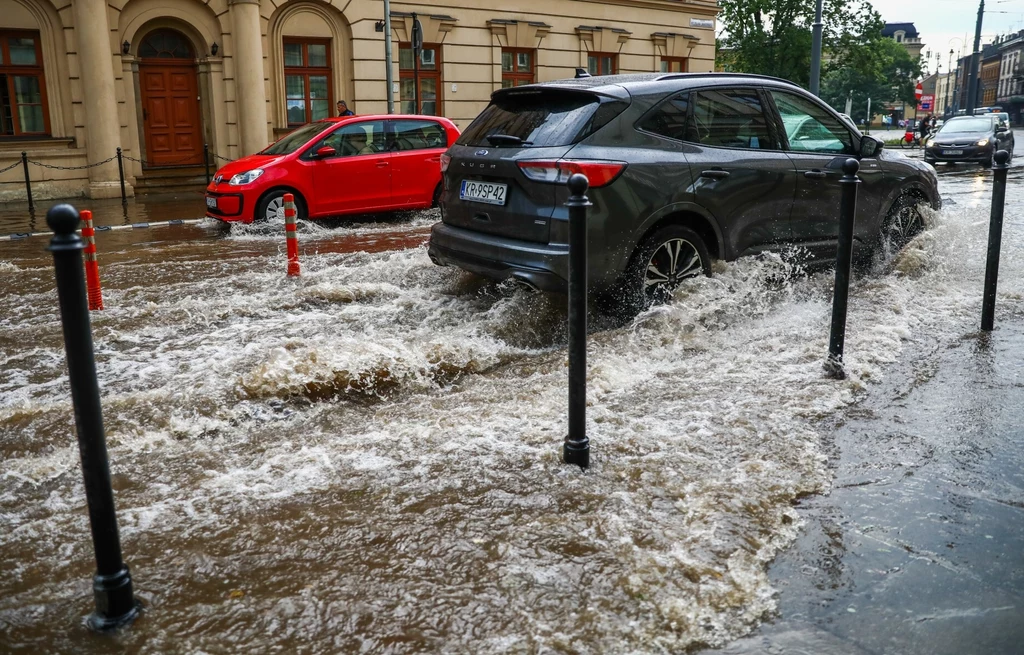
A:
[169,87]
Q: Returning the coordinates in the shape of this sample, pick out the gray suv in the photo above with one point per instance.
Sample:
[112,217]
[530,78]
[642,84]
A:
[683,169]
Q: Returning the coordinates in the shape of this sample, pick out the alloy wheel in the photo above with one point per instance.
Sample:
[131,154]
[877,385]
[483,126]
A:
[673,261]
[275,209]
[906,224]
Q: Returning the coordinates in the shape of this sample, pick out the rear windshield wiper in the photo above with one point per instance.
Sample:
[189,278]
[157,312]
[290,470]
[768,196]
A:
[506,140]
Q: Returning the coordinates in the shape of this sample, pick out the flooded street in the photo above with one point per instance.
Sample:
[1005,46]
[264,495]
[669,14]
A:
[367,458]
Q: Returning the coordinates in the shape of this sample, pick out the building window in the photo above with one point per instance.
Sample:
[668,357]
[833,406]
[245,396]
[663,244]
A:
[307,80]
[23,108]
[602,63]
[426,76]
[673,64]
[517,66]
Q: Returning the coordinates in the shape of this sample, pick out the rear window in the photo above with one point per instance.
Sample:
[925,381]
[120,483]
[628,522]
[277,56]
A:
[536,119]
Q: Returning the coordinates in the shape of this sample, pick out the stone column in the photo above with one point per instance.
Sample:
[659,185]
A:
[102,124]
[250,89]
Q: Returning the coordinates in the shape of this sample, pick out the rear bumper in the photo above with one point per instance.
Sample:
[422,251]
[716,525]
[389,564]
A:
[542,266]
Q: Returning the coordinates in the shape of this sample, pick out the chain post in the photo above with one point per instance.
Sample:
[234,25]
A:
[844,265]
[995,239]
[120,173]
[112,584]
[576,448]
[28,182]
[206,161]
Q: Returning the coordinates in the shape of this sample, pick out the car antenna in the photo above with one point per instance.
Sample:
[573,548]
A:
[582,72]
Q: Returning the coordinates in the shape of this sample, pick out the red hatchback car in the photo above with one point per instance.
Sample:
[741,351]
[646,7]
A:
[355,164]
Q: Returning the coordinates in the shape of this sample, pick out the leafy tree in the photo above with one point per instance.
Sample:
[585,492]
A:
[887,73]
[773,37]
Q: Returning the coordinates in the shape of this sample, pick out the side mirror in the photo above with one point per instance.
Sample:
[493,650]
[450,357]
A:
[870,146]
[325,151]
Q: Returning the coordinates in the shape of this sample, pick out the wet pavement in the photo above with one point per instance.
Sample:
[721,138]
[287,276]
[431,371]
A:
[365,459]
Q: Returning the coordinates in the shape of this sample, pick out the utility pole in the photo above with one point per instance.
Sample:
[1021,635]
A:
[816,49]
[388,75]
[949,71]
[417,47]
[972,79]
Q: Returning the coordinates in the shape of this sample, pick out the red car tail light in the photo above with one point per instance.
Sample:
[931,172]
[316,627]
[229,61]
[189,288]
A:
[600,173]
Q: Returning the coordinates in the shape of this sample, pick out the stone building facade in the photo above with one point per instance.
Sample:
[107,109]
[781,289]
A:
[161,78]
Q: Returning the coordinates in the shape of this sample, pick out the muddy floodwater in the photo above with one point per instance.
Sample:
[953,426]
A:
[366,459]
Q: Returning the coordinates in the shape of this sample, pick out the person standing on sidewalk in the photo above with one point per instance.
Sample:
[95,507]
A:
[343,109]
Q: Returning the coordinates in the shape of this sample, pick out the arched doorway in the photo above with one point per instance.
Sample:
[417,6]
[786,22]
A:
[170,100]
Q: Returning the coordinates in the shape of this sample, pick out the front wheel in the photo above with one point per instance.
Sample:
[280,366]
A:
[270,208]
[664,261]
[904,222]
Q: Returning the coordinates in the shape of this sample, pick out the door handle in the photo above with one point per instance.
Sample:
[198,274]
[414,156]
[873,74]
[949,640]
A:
[381,164]
[715,174]
[816,174]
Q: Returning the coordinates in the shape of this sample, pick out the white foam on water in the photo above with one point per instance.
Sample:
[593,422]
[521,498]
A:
[405,422]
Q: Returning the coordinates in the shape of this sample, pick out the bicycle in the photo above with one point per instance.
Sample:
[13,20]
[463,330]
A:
[912,139]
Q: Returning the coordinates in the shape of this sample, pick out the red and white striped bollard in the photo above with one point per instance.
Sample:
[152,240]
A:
[92,267]
[289,230]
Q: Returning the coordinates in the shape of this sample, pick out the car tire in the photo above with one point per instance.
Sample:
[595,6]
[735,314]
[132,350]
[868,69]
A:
[904,221]
[271,207]
[662,262]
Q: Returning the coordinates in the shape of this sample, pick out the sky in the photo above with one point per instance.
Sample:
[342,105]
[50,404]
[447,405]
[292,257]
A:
[944,24]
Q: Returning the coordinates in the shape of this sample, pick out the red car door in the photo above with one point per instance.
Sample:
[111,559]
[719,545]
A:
[357,177]
[417,146]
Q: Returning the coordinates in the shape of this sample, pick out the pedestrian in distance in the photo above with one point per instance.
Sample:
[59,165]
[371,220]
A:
[343,109]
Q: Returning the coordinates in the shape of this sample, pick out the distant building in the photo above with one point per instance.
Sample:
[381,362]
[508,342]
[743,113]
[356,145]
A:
[1010,93]
[906,35]
[990,59]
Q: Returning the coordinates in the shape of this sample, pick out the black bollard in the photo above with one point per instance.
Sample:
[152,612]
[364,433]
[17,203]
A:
[844,264]
[206,161]
[28,182]
[576,449]
[112,585]
[120,173]
[995,239]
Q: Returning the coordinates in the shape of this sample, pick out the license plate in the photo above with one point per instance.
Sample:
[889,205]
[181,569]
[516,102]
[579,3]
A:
[491,193]
[952,152]
[211,203]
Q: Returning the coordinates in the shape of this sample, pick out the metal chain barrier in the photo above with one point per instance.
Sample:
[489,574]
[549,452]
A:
[12,166]
[119,157]
[70,168]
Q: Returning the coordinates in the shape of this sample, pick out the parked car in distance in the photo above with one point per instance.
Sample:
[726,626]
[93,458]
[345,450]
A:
[969,139]
[683,169]
[336,166]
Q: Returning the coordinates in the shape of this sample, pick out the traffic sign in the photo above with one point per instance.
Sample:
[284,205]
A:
[926,102]
[919,91]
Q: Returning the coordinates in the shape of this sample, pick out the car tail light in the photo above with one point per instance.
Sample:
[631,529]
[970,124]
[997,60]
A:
[445,160]
[600,173]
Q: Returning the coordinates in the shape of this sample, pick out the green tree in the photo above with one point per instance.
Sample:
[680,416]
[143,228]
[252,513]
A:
[773,37]
[886,73]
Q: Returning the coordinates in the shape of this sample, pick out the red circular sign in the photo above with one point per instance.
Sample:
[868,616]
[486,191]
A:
[919,91]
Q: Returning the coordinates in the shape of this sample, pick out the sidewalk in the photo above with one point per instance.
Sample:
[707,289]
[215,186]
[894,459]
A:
[920,546]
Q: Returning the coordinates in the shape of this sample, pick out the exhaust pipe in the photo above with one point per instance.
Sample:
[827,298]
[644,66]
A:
[525,283]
